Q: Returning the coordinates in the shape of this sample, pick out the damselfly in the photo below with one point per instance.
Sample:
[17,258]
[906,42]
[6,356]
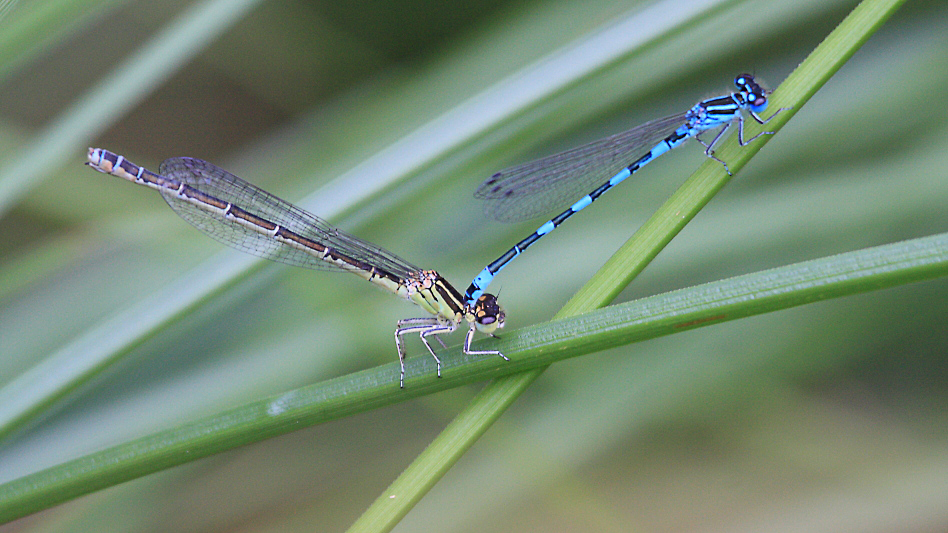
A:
[252,220]
[529,190]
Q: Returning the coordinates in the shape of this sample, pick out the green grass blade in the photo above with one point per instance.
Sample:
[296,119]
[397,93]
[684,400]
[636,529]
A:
[530,349]
[628,262]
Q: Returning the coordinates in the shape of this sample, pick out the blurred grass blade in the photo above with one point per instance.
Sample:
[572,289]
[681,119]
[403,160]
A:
[31,394]
[51,21]
[66,138]
[432,464]
[514,95]
[34,391]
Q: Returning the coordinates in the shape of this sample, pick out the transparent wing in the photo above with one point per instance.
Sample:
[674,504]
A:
[557,181]
[222,185]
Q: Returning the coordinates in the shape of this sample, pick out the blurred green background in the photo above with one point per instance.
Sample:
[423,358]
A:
[384,117]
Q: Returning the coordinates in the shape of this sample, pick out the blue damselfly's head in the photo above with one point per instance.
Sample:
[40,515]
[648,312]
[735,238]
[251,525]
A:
[754,95]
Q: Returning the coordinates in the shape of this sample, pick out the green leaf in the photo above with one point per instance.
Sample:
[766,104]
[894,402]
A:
[529,349]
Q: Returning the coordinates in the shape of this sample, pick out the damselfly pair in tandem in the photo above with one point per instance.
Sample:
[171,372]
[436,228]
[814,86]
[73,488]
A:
[245,217]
